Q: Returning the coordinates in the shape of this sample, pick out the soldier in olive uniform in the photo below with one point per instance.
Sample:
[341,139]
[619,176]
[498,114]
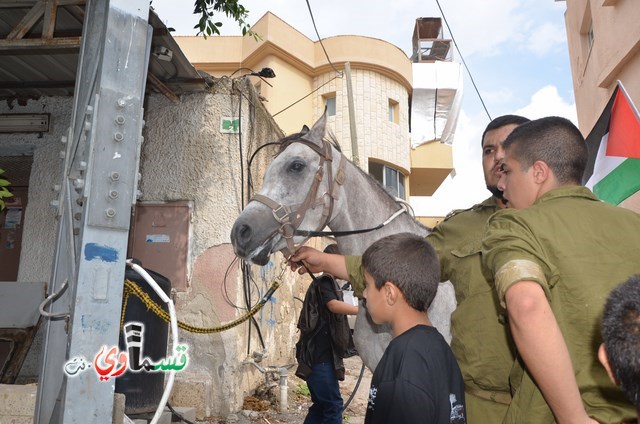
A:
[479,336]
[554,263]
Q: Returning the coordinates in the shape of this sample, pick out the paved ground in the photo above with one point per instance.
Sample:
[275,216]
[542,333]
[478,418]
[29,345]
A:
[264,411]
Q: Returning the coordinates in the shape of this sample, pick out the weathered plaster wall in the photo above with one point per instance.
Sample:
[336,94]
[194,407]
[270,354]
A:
[185,157]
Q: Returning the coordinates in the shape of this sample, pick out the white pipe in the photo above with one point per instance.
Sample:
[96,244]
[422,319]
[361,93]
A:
[283,372]
[174,334]
[284,394]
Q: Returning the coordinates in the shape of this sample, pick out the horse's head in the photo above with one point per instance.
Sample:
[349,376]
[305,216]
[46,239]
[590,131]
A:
[297,193]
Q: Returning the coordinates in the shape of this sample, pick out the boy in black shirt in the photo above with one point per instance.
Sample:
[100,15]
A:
[319,355]
[417,379]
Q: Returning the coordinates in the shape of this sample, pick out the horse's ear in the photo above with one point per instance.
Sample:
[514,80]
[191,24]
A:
[304,130]
[318,130]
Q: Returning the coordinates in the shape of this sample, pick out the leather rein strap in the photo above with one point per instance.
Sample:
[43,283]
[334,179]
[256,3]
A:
[291,216]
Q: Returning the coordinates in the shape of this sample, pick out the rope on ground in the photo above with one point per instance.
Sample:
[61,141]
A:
[131,288]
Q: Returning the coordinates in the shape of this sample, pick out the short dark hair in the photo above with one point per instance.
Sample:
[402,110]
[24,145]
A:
[408,261]
[553,140]
[621,336]
[502,121]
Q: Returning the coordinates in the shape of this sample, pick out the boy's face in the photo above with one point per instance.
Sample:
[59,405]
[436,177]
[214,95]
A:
[518,185]
[375,299]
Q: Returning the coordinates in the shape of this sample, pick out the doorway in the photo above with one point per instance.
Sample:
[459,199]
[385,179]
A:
[17,170]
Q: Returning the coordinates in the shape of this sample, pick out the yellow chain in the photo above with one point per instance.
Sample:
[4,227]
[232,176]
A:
[131,288]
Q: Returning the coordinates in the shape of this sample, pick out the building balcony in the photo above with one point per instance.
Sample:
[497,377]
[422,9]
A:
[431,163]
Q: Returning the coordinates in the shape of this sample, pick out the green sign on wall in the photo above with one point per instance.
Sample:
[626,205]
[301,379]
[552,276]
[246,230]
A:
[229,125]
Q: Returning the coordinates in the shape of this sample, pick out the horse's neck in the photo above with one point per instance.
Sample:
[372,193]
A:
[363,204]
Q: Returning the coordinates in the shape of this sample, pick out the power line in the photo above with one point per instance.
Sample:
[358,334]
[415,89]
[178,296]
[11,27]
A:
[304,97]
[320,40]
[462,58]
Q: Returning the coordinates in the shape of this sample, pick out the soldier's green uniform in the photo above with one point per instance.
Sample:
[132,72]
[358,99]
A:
[479,340]
[577,248]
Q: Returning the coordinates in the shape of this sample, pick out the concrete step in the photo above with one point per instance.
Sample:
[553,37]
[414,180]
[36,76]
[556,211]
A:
[17,403]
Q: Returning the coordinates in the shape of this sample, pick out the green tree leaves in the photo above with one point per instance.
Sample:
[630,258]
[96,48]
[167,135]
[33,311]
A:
[3,190]
[207,9]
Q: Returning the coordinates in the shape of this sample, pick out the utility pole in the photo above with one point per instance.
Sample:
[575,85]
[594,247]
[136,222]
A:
[352,116]
[98,187]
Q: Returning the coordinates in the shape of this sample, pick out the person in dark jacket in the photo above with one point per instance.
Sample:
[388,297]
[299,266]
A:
[319,352]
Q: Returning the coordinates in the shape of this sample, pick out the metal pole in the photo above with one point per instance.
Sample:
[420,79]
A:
[355,158]
[99,184]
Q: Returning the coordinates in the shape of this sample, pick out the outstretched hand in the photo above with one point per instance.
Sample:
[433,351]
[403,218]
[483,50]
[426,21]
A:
[307,258]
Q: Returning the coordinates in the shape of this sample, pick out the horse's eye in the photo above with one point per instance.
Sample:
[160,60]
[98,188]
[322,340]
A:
[296,166]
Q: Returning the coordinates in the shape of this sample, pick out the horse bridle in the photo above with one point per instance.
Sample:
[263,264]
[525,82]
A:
[291,216]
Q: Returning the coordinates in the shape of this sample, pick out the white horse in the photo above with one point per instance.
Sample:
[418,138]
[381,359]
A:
[311,185]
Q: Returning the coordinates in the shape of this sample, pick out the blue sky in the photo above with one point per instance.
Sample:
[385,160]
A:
[516,51]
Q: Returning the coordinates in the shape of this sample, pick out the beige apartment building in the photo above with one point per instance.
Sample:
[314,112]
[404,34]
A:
[386,86]
[604,47]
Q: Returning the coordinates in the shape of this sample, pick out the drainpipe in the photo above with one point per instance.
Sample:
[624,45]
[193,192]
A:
[284,375]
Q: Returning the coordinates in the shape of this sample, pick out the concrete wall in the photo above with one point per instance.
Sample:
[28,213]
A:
[185,157]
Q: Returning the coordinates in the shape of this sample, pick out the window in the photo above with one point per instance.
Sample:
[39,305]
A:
[330,103]
[393,111]
[391,179]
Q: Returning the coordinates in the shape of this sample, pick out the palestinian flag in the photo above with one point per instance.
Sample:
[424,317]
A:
[613,169]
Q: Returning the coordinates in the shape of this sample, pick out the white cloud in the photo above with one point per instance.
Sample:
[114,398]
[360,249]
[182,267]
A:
[546,38]
[481,27]
[548,102]
[498,97]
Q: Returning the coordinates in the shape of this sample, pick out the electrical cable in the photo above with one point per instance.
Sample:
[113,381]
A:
[245,268]
[241,152]
[302,98]
[463,61]
[225,293]
[355,389]
[241,69]
[320,40]
[435,110]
